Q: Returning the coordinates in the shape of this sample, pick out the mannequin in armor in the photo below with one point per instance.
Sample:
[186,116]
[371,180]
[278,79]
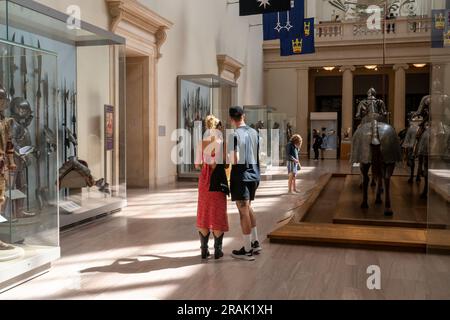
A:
[372,110]
[408,146]
[6,143]
[6,151]
[20,111]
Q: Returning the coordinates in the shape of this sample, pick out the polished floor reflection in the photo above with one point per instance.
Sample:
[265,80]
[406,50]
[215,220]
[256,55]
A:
[151,251]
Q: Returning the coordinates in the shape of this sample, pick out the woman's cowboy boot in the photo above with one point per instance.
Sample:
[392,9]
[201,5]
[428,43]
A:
[218,253]
[204,245]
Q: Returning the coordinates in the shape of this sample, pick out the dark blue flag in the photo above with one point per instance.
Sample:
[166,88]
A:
[250,7]
[447,29]
[438,28]
[280,24]
[302,43]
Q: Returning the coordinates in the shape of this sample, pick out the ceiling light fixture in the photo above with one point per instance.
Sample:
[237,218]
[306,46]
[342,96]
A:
[329,68]
[419,65]
[371,67]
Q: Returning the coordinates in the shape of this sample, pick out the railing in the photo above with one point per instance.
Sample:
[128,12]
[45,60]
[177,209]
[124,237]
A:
[356,30]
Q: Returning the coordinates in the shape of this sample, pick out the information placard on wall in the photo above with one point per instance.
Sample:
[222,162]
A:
[109,128]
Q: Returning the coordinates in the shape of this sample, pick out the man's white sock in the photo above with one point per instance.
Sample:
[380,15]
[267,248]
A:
[247,242]
[255,234]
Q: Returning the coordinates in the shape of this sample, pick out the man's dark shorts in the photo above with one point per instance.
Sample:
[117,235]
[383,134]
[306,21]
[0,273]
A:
[243,191]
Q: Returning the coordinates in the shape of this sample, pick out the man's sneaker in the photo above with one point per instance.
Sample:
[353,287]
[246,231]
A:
[243,255]
[256,247]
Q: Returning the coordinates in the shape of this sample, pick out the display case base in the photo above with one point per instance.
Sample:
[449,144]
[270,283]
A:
[91,209]
[34,261]
[7,255]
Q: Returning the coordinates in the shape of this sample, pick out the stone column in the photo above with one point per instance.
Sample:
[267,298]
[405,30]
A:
[302,106]
[347,96]
[400,96]
[347,108]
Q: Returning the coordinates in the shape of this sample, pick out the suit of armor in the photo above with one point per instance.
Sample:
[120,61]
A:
[424,113]
[6,145]
[372,110]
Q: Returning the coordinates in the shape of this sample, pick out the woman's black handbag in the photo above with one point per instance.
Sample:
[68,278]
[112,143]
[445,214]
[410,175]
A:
[219,181]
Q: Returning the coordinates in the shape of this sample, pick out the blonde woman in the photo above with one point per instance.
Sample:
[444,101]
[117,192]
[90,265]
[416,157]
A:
[212,189]
[293,160]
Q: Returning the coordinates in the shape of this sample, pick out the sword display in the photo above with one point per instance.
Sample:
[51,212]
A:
[12,69]
[24,70]
[40,193]
[50,137]
[74,124]
[64,124]
[2,70]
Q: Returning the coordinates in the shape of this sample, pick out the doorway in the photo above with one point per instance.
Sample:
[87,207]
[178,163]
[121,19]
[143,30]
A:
[137,140]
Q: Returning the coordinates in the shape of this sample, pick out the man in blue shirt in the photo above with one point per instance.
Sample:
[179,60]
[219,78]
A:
[243,152]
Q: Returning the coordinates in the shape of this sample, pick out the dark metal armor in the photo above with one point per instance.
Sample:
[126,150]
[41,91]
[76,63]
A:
[372,110]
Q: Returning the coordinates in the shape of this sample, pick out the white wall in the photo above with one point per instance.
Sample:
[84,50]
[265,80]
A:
[92,11]
[202,29]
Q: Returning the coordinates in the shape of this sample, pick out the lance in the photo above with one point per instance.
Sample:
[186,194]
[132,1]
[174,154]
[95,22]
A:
[40,193]
[24,69]
[12,69]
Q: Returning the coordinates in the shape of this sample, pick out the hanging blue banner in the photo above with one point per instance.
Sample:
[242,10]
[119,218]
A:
[281,24]
[302,43]
[447,30]
[438,28]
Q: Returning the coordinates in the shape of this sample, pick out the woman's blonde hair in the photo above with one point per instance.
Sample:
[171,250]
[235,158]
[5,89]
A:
[211,122]
[297,139]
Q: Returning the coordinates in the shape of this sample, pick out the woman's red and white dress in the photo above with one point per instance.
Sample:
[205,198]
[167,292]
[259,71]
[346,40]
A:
[212,206]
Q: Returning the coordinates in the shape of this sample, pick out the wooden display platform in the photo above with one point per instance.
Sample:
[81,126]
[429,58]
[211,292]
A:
[409,210]
[331,216]
[369,237]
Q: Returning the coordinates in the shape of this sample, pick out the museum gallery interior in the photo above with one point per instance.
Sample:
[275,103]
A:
[102,103]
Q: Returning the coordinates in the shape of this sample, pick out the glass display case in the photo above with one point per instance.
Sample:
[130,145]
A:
[282,129]
[28,156]
[326,124]
[198,97]
[65,81]
[257,117]
[90,97]
[439,158]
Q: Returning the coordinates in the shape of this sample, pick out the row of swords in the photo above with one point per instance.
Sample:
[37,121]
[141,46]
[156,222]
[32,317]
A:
[42,92]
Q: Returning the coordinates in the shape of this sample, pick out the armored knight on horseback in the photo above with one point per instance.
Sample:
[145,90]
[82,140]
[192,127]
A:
[375,145]
[372,110]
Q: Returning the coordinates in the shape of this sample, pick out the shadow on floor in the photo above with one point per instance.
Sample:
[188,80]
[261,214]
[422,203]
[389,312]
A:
[130,266]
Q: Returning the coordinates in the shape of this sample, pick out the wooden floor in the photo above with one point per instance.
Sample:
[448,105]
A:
[151,251]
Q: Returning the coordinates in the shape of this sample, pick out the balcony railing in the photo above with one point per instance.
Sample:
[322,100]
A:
[356,30]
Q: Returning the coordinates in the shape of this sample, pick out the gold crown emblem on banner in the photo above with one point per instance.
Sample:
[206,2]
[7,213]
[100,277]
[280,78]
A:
[307,28]
[297,45]
[447,38]
[440,21]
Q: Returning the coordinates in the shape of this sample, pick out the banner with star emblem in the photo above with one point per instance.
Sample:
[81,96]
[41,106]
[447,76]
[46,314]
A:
[303,43]
[280,24]
[250,7]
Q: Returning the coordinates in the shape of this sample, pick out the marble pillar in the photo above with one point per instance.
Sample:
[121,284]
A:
[400,97]
[302,106]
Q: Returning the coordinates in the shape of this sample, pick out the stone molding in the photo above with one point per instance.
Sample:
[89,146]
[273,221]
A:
[229,68]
